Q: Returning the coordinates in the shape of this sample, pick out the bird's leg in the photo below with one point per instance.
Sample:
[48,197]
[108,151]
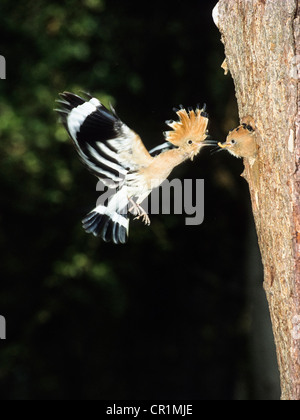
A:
[135,208]
[143,215]
[139,212]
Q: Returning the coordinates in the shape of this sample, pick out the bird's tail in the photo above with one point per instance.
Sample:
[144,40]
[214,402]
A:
[109,225]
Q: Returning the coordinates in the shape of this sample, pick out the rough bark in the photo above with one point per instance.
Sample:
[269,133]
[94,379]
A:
[262,48]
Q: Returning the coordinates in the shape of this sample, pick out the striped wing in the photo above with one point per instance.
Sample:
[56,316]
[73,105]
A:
[107,146]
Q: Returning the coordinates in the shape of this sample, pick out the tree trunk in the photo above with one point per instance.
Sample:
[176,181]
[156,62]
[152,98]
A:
[262,48]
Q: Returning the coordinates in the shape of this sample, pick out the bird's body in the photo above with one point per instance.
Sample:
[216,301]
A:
[117,156]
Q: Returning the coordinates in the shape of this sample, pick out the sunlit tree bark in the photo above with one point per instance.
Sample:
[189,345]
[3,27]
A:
[262,48]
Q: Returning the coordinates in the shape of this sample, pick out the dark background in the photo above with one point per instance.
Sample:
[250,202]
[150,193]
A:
[177,313]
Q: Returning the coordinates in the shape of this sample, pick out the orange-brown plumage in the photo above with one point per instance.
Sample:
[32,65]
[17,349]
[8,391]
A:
[191,125]
[241,142]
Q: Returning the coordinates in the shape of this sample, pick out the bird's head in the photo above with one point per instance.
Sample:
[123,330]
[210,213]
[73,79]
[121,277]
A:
[241,142]
[190,132]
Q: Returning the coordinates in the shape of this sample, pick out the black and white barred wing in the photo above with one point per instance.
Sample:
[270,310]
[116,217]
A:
[112,152]
[107,146]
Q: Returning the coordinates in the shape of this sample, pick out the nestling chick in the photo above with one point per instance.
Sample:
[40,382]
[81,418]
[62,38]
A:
[117,156]
[241,142]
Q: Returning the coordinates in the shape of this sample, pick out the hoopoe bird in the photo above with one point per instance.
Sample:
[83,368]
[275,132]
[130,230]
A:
[117,156]
[241,142]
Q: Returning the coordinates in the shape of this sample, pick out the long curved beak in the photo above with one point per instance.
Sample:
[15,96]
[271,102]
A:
[209,142]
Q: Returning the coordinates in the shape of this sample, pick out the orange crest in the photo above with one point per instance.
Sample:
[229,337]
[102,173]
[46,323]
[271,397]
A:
[191,125]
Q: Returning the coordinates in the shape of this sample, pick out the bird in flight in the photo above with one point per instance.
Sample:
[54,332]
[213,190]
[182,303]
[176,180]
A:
[117,156]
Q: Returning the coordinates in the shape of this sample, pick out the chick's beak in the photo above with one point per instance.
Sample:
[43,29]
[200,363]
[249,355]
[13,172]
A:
[223,145]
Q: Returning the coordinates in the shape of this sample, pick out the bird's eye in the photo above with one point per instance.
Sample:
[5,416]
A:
[233,142]
[190,142]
